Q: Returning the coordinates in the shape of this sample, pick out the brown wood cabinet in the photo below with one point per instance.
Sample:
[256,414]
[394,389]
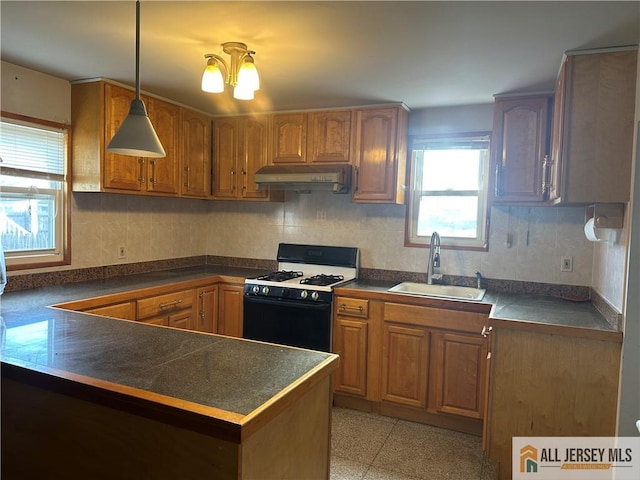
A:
[230,309]
[545,383]
[240,149]
[379,138]
[457,377]
[288,138]
[207,316]
[593,121]
[350,341]
[196,154]
[123,311]
[173,309]
[97,110]
[520,149]
[329,136]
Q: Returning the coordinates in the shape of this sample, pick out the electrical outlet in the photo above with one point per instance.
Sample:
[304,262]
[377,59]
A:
[122,252]
[321,215]
[566,264]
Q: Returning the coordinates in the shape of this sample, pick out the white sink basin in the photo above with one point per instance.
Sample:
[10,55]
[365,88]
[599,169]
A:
[441,291]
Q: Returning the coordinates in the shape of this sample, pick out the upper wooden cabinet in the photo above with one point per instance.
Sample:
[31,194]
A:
[288,138]
[196,154]
[240,149]
[520,148]
[379,139]
[329,138]
[97,110]
[593,126]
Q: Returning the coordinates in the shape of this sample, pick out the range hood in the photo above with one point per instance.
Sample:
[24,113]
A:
[304,178]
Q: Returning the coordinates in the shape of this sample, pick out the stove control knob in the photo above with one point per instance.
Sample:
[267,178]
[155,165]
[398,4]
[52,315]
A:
[255,289]
[314,296]
[285,292]
[304,294]
[265,290]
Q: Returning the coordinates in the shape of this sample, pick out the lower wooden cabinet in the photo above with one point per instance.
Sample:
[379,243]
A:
[123,311]
[350,341]
[207,316]
[171,309]
[230,310]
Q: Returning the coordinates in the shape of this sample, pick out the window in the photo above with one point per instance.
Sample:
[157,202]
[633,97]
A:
[449,190]
[34,208]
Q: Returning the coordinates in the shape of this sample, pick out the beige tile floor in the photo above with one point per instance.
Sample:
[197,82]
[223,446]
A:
[367,446]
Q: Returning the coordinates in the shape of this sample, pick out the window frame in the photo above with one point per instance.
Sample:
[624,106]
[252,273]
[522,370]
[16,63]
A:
[481,243]
[62,256]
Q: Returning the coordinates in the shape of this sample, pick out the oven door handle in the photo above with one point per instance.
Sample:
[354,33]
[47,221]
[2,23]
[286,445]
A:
[289,303]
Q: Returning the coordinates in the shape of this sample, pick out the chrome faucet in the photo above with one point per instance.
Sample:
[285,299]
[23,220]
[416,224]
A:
[433,268]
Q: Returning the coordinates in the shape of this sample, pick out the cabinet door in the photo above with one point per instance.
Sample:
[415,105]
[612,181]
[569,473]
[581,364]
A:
[329,137]
[253,153]
[519,146]
[165,304]
[124,311]
[457,376]
[405,365]
[196,154]
[160,320]
[225,148]
[288,138]
[182,319]
[230,310]
[120,172]
[206,320]
[163,174]
[350,342]
[378,158]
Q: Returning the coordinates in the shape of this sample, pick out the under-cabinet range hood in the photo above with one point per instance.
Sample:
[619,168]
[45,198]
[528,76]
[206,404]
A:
[304,178]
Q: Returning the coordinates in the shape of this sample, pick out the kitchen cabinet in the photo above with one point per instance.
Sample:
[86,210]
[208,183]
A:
[196,154]
[173,309]
[97,110]
[379,142]
[350,340]
[592,147]
[230,309]
[544,382]
[207,317]
[457,377]
[240,149]
[288,138]
[123,311]
[520,149]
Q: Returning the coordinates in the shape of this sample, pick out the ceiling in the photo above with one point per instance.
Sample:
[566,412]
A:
[318,54]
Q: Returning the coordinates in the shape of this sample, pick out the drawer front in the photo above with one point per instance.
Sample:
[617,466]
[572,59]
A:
[168,303]
[435,317]
[352,307]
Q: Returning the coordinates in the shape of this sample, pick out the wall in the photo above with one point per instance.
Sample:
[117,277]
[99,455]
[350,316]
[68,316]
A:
[159,228]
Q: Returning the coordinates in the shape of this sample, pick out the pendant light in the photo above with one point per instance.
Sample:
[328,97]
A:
[136,136]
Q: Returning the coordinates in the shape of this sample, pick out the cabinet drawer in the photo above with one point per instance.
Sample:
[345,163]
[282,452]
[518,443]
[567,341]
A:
[352,307]
[435,317]
[170,302]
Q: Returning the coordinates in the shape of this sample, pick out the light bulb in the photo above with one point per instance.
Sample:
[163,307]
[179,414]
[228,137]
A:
[212,79]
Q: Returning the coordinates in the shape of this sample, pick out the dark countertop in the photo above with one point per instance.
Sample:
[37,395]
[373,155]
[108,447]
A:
[173,366]
[512,310]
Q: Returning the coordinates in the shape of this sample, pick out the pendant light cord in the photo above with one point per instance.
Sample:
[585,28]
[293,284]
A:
[138,49]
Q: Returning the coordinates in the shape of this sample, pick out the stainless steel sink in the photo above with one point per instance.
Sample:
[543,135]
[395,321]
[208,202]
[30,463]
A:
[440,291]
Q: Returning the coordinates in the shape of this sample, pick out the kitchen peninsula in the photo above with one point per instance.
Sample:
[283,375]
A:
[85,396]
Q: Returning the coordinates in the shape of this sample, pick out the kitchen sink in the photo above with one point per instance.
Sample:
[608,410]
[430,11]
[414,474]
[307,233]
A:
[440,291]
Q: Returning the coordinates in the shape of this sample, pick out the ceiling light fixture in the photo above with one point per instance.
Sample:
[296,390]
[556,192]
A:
[241,73]
[136,136]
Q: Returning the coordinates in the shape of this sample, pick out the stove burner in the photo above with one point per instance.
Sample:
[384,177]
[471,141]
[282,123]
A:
[280,276]
[322,280]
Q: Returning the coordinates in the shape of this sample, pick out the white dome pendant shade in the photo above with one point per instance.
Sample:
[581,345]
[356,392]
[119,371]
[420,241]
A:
[136,136]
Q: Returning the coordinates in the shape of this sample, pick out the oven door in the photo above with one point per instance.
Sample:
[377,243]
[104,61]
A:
[288,322]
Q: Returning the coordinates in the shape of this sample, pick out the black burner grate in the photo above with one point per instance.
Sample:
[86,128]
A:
[322,280]
[280,276]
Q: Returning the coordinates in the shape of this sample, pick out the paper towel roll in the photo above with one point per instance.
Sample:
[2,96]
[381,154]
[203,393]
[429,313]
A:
[591,232]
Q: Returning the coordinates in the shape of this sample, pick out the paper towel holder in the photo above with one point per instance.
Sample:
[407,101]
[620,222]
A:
[605,215]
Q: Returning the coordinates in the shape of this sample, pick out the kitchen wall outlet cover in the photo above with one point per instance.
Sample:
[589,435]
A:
[122,252]
[566,264]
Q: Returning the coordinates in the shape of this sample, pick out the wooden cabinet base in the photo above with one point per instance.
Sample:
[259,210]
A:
[50,435]
[413,414]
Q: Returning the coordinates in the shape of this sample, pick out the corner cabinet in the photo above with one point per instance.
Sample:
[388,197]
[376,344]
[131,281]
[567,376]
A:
[520,149]
[196,154]
[240,149]
[379,143]
[97,110]
[592,148]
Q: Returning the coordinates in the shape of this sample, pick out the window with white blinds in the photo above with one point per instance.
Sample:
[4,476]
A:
[33,192]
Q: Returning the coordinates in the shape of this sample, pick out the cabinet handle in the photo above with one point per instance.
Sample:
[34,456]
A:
[141,171]
[546,176]
[356,172]
[187,172]
[153,172]
[172,304]
[498,189]
[345,307]
[201,307]
[486,331]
